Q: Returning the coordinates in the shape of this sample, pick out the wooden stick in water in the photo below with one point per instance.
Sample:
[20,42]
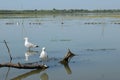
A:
[8,50]
[67,57]
[22,66]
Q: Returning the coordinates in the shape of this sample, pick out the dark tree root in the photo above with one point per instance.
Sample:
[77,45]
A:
[67,57]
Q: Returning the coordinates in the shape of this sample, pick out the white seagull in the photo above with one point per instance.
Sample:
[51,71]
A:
[43,55]
[29,44]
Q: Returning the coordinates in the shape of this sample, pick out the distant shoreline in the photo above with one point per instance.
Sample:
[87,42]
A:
[55,12]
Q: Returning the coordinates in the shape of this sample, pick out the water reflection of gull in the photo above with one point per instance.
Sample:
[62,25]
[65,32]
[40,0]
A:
[30,53]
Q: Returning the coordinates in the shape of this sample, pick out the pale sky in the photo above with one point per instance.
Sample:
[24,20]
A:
[59,4]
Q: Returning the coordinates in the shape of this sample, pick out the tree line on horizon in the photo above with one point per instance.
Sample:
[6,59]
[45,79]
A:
[59,11]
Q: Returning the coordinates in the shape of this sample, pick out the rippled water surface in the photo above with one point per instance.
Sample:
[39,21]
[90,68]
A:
[95,41]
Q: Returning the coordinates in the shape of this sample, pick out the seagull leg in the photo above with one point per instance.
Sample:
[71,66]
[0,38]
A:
[42,62]
[28,49]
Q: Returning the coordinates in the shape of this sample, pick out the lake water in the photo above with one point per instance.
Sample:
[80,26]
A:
[95,41]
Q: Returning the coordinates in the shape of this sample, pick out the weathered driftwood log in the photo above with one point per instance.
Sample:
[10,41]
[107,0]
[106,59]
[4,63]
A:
[24,66]
[67,57]
[65,60]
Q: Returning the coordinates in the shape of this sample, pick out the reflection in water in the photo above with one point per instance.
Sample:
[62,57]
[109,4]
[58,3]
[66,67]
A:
[44,76]
[7,73]
[23,76]
[29,53]
[67,68]
[103,30]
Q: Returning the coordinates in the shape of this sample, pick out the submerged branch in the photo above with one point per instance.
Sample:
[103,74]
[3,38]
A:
[8,50]
[18,65]
[67,57]
[66,60]
[22,66]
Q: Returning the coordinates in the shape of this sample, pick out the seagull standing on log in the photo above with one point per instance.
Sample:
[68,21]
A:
[43,55]
[29,44]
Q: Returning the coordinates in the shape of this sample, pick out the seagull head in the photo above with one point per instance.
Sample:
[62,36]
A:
[26,38]
[43,48]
